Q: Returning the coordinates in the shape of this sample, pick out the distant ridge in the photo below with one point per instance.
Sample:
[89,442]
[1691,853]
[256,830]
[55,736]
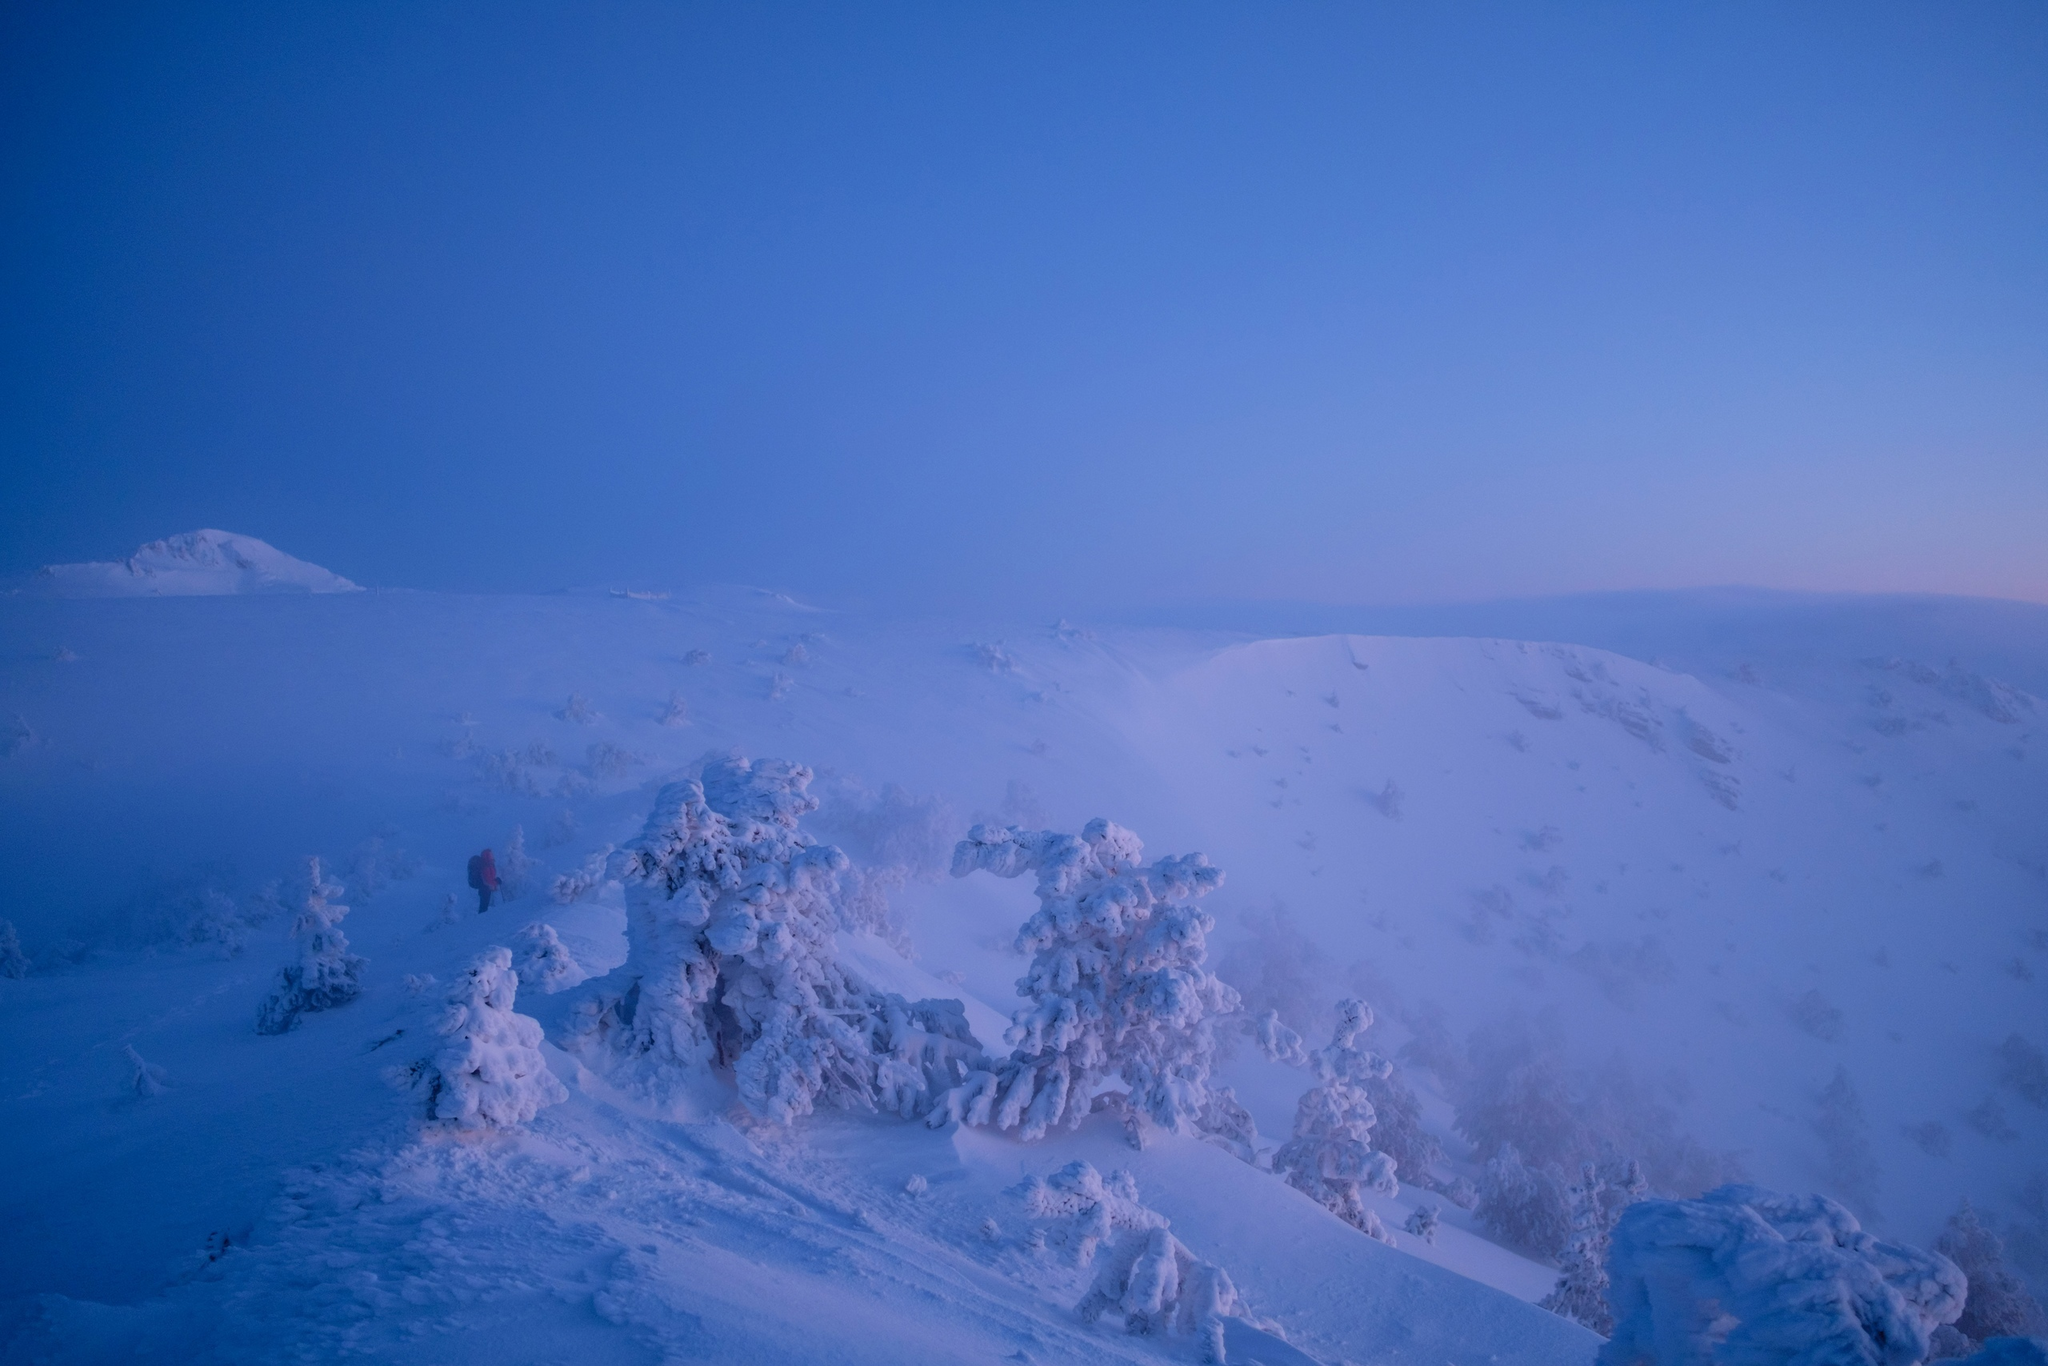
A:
[205,563]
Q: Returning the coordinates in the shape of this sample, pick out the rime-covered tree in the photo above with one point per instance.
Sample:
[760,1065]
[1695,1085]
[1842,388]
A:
[1581,1291]
[1423,1222]
[489,1073]
[731,960]
[1526,1206]
[515,865]
[1118,989]
[1330,1156]
[544,962]
[1743,1276]
[1999,1305]
[327,974]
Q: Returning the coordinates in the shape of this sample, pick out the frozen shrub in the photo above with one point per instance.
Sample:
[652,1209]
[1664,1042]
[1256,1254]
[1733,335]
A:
[1087,1209]
[1997,1304]
[145,1078]
[1424,1221]
[1159,1287]
[2025,1069]
[489,1072]
[1118,987]
[544,963]
[1743,1277]
[1845,1136]
[12,961]
[327,974]
[572,887]
[1525,1206]
[1330,1158]
[731,960]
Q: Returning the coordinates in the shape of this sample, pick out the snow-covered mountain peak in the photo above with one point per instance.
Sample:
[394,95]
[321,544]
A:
[205,563]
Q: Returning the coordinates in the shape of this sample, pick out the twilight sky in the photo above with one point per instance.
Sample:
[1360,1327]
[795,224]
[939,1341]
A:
[1038,305]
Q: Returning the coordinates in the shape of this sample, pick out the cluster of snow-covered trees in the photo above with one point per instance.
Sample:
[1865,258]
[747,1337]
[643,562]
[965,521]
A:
[731,960]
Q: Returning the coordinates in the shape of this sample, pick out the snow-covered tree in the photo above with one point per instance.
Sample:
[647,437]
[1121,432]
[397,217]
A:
[327,974]
[1743,1277]
[731,960]
[1526,1206]
[1581,1291]
[489,1072]
[1118,989]
[13,963]
[1147,1276]
[1424,1221]
[1998,1304]
[677,712]
[1159,1287]
[1331,1157]
[544,961]
[515,865]
[145,1078]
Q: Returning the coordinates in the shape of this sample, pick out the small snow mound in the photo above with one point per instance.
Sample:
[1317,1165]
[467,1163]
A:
[196,564]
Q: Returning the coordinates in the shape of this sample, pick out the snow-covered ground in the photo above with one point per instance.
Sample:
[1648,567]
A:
[1781,912]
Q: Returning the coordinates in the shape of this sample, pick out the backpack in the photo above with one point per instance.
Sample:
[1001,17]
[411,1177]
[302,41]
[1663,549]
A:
[476,875]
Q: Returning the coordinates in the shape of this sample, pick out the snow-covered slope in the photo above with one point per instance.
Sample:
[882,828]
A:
[194,564]
[1707,893]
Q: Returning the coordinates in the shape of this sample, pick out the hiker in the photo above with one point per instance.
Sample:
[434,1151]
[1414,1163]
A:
[483,875]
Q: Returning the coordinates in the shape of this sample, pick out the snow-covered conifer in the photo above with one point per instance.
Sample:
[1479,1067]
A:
[145,1078]
[1581,1291]
[731,960]
[515,865]
[677,712]
[1744,1276]
[1330,1157]
[489,1072]
[13,963]
[1998,1305]
[1526,1206]
[327,974]
[544,962]
[1424,1221]
[1118,987]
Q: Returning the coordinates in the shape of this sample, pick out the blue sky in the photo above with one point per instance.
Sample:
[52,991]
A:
[1036,305]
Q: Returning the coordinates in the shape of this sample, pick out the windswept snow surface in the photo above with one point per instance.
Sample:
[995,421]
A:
[1714,894]
[194,564]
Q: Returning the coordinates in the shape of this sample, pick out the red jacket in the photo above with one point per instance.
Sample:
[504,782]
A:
[483,872]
